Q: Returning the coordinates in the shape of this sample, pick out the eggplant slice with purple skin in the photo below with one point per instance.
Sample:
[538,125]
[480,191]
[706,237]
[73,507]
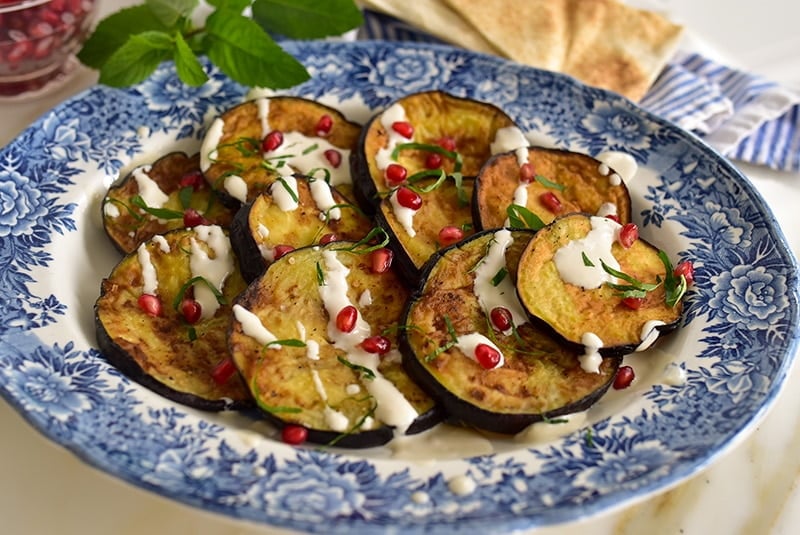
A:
[153,199]
[453,313]
[310,376]
[164,352]
[265,225]
[251,144]
[571,310]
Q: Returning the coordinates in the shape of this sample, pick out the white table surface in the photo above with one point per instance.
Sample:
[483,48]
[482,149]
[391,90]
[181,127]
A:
[753,489]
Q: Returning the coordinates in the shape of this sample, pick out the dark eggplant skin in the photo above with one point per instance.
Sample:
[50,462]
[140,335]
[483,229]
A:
[608,311]
[442,293]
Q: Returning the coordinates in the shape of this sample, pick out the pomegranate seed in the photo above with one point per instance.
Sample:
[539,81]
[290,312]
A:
[51,17]
[58,5]
[376,344]
[501,318]
[403,128]
[151,304]
[634,303]
[194,179]
[381,260]
[408,198]
[324,125]
[685,268]
[223,371]
[294,435]
[526,173]
[614,217]
[447,143]
[40,29]
[192,218]
[281,250]
[450,234]
[433,161]
[624,378]
[334,157]
[328,238]
[19,52]
[272,141]
[191,310]
[487,356]
[346,319]
[395,174]
[43,48]
[628,234]
[550,201]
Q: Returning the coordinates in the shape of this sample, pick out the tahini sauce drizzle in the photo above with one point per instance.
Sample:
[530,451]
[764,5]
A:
[148,189]
[149,275]
[596,245]
[213,270]
[392,114]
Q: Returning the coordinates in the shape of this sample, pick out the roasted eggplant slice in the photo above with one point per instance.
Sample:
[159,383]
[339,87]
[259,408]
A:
[250,145]
[468,343]
[427,130]
[293,212]
[421,221]
[578,278]
[153,199]
[163,314]
[310,337]
[548,183]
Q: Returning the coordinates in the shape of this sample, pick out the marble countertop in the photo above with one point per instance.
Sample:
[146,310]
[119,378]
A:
[754,488]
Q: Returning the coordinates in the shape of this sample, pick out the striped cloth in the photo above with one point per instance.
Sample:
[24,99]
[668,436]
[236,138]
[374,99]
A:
[743,116]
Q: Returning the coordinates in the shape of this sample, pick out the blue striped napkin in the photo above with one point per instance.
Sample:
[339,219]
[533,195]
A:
[745,117]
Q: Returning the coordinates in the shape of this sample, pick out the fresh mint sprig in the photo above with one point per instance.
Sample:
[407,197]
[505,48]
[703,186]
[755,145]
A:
[127,46]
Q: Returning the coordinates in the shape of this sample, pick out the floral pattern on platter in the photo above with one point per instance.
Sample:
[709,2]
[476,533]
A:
[743,309]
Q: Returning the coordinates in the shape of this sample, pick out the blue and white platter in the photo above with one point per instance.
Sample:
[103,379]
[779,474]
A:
[735,347]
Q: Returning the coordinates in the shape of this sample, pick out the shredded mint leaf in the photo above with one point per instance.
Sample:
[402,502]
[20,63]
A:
[187,65]
[113,31]
[161,213]
[136,59]
[288,342]
[367,373]
[169,12]
[586,261]
[499,276]
[307,19]
[521,217]
[241,49]
[544,181]
[674,287]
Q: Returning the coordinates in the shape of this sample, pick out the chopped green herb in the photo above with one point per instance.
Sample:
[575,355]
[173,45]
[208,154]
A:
[586,261]
[362,246]
[458,162]
[365,372]
[310,149]
[288,342]
[185,196]
[292,193]
[521,217]
[188,284]
[161,213]
[499,276]
[674,287]
[549,183]
[634,288]
[320,276]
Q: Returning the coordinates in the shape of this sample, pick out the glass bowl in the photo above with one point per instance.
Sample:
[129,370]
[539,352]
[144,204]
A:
[38,40]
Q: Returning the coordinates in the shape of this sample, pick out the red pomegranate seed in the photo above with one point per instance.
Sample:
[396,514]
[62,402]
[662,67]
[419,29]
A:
[450,235]
[194,179]
[526,173]
[551,202]
[324,125]
[381,260]
[50,17]
[223,371]
[281,250]
[501,318]
[293,434]
[487,356]
[192,218]
[685,268]
[634,303]
[395,174]
[376,344]
[191,310]
[272,141]
[334,157]
[403,128]
[447,143]
[624,378]
[328,238]
[408,198]
[613,217]
[151,304]
[433,161]
[346,319]
[58,5]
[628,234]
[40,29]
[19,51]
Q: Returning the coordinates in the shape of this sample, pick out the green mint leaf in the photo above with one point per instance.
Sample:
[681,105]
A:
[586,261]
[367,373]
[235,5]
[544,181]
[288,342]
[307,19]
[521,217]
[499,276]
[161,213]
[241,49]
[187,65]
[170,11]
[674,287]
[113,31]
[136,59]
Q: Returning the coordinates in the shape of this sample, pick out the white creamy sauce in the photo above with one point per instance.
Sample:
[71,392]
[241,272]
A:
[591,359]
[522,155]
[521,195]
[162,243]
[148,189]
[558,427]
[504,294]
[365,299]
[392,114]
[649,334]
[214,270]
[301,330]
[334,297]
[461,485]
[263,115]
[252,327]
[507,139]
[607,209]
[405,216]
[673,375]
[263,231]
[323,198]
[110,209]
[306,154]
[468,342]
[352,389]
[335,419]
[149,276]
[267,252]
[284,193]
[596,246]
[624,164]
[208,150]
[236,187]
[312,350]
